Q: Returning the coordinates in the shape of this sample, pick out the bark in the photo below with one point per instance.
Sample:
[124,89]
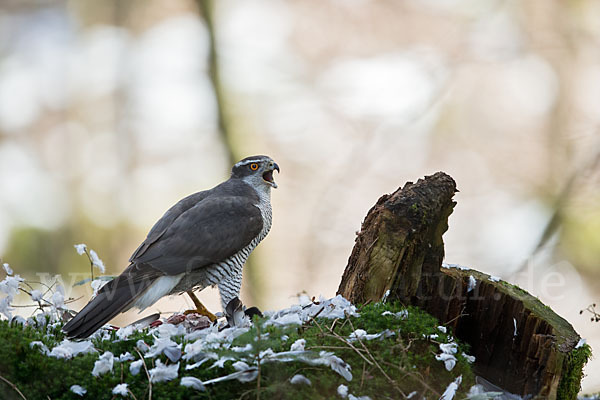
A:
[400,250]
[400,245]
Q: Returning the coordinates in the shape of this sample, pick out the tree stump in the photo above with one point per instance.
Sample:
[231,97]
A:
[519,344]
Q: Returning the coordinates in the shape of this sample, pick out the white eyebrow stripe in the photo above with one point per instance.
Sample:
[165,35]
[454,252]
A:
[239,164]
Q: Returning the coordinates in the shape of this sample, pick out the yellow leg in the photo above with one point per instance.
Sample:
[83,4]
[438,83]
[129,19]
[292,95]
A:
[200,309]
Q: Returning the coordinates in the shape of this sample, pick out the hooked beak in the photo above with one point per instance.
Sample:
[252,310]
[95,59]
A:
[268,175]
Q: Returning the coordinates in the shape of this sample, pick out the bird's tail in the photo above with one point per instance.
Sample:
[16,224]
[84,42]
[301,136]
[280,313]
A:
[113,298]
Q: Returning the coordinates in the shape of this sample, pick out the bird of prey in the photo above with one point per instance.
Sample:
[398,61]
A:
[203,240]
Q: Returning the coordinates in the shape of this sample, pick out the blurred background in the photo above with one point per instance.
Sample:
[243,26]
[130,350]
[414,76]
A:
[111,111]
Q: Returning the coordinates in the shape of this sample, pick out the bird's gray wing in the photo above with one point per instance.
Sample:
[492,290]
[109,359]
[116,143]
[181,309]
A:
[161,226]
[212,230]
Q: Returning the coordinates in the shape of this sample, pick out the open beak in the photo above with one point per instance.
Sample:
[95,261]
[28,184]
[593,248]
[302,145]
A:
[268,175]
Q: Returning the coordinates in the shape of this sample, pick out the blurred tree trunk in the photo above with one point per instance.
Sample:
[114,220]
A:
[206,8]
[252,284]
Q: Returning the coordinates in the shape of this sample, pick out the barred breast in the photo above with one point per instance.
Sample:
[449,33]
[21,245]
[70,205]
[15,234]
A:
[227,275]
[229,287]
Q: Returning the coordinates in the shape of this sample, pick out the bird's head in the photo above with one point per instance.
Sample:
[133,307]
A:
[256,170]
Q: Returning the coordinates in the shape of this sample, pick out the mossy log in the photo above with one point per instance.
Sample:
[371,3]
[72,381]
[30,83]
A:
[27,372]
[399,251]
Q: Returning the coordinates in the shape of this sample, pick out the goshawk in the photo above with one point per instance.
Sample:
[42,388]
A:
[203,240]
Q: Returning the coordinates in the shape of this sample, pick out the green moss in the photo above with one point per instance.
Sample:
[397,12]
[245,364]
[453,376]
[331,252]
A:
[516,288]
[570,384]
[407,357]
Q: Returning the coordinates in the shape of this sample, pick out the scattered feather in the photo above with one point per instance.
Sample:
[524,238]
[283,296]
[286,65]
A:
[479,392]
[340,366]
[451,389]
[361,334]
[196,365]
[36,295]
[353,397]
[96,261]
[121,389]
[470,359]
[457,266]
[448,359]
[126,357]
[41,345]
[449,348]
[125,332]
[337,307]
[298,345]
[80,248]
[287,319]
[172,353]
[300,379]
[247,375]
[403,314]
[58,297]
[208,343]
[142,346]
[68,349]
[194,383]
[385,296]
[78,390]
[342,390]
[10,285]
[472,283]
[245,349]
[164,345]
[170,330]
[7,269]
[104,364]
[5,307]
[135,366]
[163,372]
[220,363]
[242,376]
[240,366]
[447,355]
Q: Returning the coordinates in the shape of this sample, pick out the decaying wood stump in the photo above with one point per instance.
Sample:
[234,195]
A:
[400,250]
[400,245]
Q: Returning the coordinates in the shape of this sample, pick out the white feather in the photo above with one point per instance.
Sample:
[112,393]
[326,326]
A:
[246,162]
[160,288]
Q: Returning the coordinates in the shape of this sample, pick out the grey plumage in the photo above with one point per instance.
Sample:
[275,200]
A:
[203,240]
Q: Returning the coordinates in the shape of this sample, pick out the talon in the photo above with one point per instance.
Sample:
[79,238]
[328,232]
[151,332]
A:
[200,308]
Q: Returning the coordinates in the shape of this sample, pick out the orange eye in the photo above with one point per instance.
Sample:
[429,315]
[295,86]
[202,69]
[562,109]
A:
[254,166]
